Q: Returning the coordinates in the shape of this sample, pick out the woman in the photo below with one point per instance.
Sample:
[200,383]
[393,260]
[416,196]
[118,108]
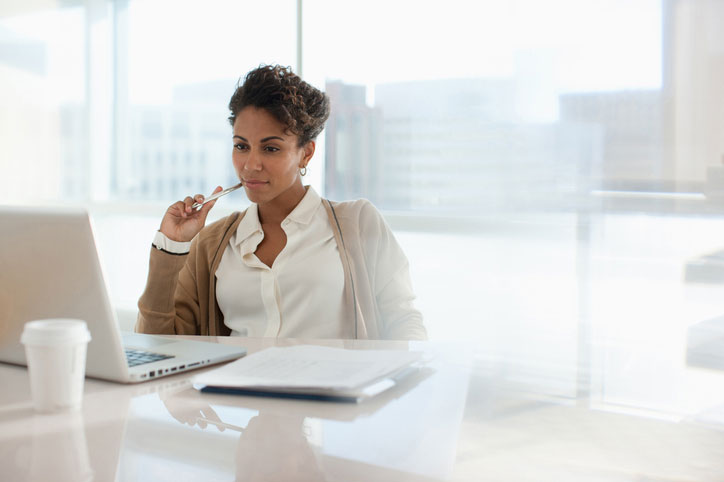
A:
[292,264]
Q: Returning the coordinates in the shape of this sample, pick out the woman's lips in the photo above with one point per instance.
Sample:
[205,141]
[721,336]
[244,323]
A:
[253,184]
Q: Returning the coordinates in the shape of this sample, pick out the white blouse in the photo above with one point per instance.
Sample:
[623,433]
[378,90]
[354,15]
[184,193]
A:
[301,295]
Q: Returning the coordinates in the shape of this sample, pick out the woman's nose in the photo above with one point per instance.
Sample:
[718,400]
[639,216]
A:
[253,162]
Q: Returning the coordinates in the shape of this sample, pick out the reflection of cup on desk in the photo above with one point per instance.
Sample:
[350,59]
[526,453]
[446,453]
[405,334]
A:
[55,350]
[59,455]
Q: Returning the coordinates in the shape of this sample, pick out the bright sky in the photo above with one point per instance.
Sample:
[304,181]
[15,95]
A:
[581,45]
[221,40]
[570,45]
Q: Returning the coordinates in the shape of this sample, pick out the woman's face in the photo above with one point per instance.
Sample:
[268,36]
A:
[267,158]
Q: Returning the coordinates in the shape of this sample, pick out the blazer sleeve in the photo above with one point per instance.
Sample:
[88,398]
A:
[169,304]
[389,271]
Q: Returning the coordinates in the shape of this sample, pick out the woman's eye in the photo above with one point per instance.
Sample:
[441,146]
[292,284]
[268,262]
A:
[239,147]
[271,149]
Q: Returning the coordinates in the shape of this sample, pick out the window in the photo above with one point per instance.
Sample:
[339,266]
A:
[492,109]
[553,168]
[174,86]
[43,119]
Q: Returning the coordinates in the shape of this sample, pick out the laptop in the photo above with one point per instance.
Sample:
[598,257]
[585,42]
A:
[49,268]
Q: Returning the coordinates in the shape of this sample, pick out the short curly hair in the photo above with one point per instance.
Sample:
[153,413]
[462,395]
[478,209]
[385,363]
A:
[303,109]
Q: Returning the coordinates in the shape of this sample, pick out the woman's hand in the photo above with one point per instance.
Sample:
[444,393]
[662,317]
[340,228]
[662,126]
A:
[181,222]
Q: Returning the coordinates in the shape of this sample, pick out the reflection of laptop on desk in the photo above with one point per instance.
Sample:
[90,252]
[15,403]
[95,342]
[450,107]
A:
[49,268]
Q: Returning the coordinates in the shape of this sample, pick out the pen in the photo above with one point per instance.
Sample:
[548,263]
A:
[197,206]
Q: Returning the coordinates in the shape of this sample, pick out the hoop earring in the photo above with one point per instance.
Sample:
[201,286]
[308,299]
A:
[303,171]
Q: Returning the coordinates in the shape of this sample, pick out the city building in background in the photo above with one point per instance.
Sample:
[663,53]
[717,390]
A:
[352,145]
[456,146]
[484,145]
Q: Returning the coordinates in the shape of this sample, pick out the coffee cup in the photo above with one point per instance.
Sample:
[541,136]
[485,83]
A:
[55,350]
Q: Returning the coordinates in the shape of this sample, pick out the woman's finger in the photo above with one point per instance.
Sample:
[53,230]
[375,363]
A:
[188,202]
[207,207]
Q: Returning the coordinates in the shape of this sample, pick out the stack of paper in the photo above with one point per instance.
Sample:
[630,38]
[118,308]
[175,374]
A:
[307,371]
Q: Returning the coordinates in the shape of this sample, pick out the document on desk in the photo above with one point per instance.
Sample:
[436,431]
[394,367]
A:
[312,372]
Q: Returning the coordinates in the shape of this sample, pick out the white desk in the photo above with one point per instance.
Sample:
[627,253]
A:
[467,418]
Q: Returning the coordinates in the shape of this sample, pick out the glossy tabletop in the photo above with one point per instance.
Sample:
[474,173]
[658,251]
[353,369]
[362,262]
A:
[466,416]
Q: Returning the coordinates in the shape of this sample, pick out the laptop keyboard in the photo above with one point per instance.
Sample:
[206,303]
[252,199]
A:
[139,357]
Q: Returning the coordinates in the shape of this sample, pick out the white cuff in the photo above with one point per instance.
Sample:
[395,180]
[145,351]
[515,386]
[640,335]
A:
[169,245]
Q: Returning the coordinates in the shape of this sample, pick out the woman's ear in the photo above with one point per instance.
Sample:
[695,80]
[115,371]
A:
[308,148]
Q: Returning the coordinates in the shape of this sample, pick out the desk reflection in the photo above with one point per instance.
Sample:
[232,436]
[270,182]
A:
[271,446]
[278,439]
[276,447]
[63,446]
[70,461]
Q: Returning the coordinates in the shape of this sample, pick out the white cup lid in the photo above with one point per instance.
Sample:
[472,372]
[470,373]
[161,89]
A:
[56,331]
